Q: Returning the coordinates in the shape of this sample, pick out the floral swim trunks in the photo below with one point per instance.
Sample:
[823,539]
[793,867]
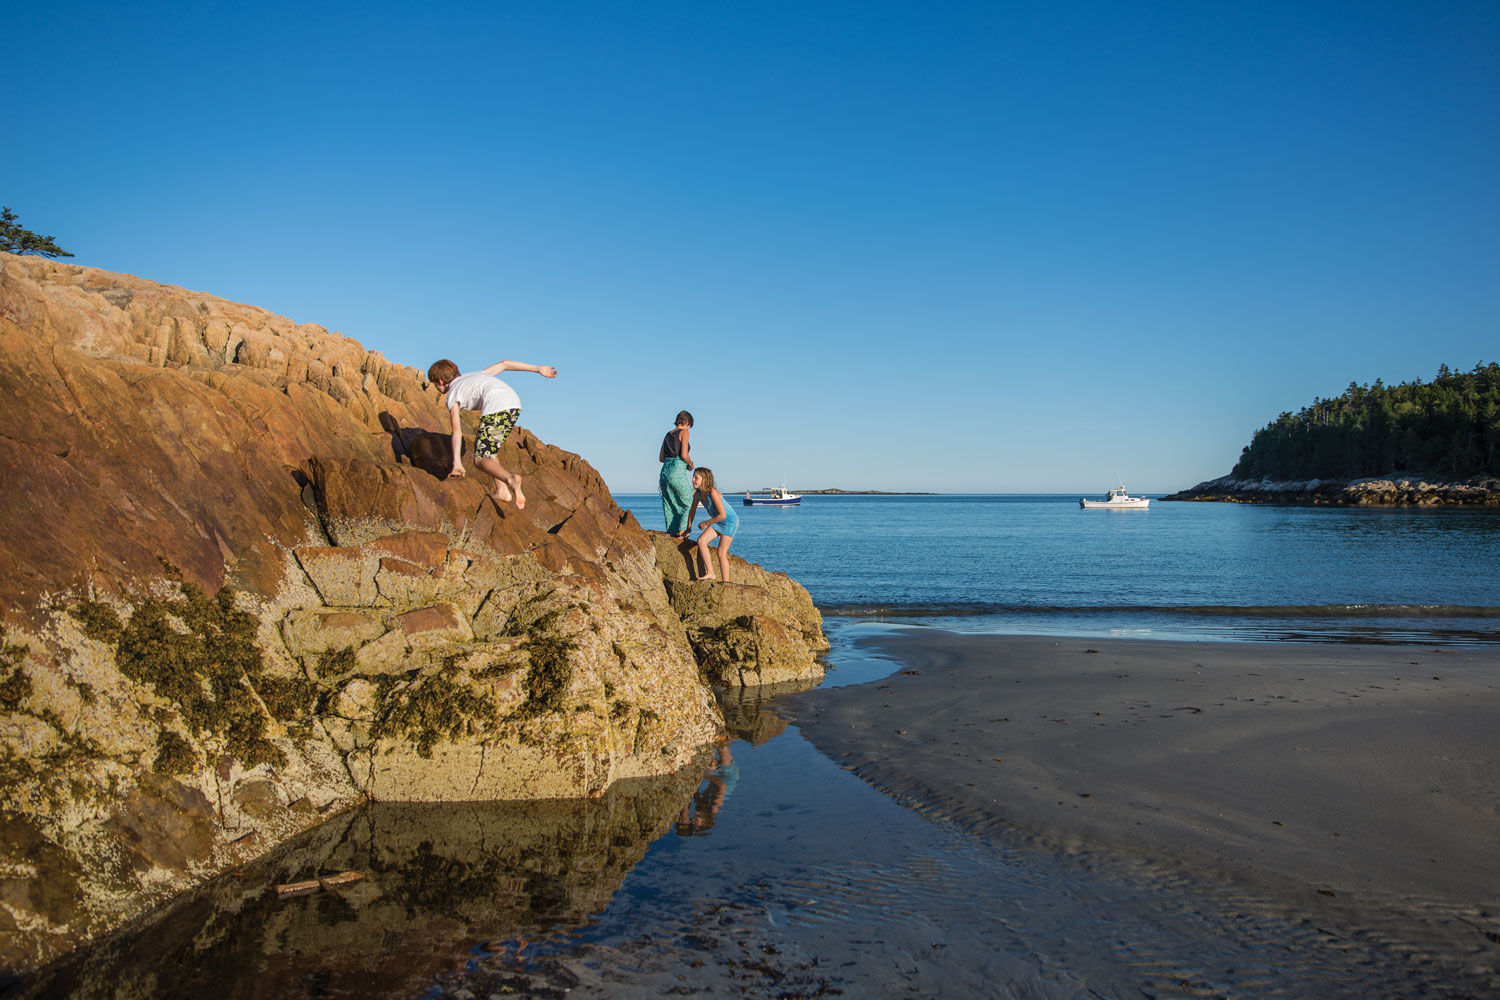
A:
[494,428]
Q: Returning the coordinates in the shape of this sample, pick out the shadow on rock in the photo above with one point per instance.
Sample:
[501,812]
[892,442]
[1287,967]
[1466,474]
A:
[423,449]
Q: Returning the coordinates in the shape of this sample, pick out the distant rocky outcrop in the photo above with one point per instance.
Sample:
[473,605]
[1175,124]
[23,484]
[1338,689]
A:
[1381,491]
[237,597]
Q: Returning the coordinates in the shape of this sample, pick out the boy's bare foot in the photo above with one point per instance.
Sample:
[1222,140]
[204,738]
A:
[708,579]
[502,492]
[520,497]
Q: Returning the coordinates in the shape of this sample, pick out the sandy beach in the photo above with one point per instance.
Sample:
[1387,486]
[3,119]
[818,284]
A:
[1351,786]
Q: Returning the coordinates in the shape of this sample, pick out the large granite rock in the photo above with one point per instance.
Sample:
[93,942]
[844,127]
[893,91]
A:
[237,597]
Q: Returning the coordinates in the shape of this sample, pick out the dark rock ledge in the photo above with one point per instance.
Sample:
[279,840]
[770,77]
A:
[1394,490]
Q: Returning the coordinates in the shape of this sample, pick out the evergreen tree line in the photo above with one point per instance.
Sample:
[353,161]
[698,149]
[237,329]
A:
[1448,428]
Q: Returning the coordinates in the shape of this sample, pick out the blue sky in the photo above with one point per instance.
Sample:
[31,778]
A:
[965,247]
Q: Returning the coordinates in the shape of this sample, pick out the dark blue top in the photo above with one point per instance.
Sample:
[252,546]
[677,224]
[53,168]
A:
[671,446]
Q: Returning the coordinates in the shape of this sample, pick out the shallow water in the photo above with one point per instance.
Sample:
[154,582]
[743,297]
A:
[1040,564]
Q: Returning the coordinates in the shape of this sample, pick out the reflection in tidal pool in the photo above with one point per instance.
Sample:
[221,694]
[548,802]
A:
[441,880]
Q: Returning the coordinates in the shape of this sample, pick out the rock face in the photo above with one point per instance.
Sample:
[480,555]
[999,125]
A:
[238,597]
[1396,490]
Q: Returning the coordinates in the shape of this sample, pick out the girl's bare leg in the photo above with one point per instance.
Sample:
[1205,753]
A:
[507,484]
[724,542]
[709,534]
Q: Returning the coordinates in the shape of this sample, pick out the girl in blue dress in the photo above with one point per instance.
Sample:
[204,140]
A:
[722,525]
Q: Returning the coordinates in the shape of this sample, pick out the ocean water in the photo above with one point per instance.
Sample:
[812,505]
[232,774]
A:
[1040,564]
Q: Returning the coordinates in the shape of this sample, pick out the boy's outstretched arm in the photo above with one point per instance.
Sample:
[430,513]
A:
[458,443]
[545,371]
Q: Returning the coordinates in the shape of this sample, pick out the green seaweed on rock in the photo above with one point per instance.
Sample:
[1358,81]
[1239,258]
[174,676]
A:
[549,677]
[174,754]
[721,650]
[76,743]
[51,773]
[15,684]
[287,697]
[432,708]
[499,668]
[336,662]
[100,622]
[14,688]
[200,654]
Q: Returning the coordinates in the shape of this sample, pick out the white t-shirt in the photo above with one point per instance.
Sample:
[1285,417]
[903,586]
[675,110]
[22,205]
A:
[485,393]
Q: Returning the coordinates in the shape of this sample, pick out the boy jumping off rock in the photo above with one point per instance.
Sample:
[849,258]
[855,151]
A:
[499,408]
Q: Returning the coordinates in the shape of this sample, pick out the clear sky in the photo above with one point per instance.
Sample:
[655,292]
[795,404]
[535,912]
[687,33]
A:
[965,247]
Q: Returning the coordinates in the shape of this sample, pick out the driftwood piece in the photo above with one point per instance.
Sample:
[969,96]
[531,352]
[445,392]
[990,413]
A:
[331,882]
[297,888]
[322,882]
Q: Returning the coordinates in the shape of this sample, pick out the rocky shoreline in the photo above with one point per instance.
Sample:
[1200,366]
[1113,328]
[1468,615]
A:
[1395,490]
[239,597]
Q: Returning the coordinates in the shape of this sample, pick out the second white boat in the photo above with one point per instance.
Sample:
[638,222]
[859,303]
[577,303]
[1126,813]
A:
[1116,499]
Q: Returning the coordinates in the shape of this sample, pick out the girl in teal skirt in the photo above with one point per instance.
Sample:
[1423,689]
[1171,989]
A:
[675,482]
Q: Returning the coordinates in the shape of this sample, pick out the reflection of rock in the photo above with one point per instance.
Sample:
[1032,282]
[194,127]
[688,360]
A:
[441,879]
[760,629]
[237,597]
[747,715]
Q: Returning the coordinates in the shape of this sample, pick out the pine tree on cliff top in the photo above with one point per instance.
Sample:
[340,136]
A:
[14,239]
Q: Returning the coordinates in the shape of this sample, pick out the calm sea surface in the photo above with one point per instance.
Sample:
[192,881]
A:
[1040,563]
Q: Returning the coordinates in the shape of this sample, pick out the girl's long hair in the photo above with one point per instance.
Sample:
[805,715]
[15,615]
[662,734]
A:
[708,478]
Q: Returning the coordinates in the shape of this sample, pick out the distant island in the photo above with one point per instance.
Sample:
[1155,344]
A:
[850,493]
[1424,443]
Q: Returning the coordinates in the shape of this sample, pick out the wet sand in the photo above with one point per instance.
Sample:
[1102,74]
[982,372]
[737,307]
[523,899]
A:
[1354,787]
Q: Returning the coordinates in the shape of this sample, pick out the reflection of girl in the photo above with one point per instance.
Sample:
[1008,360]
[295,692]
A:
[697,817]
[675,485]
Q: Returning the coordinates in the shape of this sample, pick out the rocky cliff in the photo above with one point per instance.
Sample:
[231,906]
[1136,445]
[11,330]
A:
[238,597]
[1395,490]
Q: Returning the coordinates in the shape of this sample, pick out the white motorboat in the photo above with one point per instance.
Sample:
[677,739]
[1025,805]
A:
[779,497]
[1117,499]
